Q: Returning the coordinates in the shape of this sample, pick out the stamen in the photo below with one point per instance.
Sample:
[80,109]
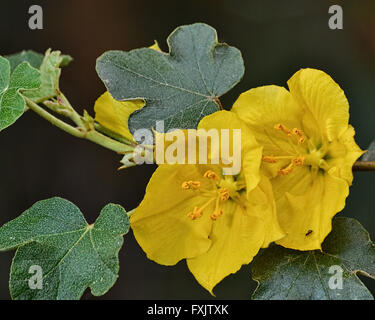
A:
[269,159]
[217,195]
[211,175]
[224,194]
[287,170]
[195,214]
[300,135]
[198,212]
[216,214]
[283,128]
[186,185]
[298,161]
[295,161]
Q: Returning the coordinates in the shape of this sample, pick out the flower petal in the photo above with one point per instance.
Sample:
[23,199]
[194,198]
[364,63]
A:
[155,46]
[236,239]
[306,217]
[263,206]
[316,91]
[250,153]
[160,223]
[264,107]
[343,153]
[114,115]
[261,109]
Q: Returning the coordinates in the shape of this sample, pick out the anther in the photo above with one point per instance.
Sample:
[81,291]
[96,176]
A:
[190,185]
[269,159]
[224,194]
[298,161]
[287,170]
[195,214]
[211,175]
[300,135]
[216,214]
[283,128]
[185,185]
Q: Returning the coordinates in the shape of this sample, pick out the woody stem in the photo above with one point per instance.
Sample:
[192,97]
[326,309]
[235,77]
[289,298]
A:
[364,166]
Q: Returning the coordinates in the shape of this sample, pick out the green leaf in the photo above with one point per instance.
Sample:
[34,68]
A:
[34,58]
[180,87]
[73,255]
[50,74]
[12,104]
[370,154]
[66,60]
[285,274]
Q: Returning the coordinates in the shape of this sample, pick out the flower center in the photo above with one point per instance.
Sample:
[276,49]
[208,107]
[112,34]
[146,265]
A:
[315,159]
[310,155]
[223,189]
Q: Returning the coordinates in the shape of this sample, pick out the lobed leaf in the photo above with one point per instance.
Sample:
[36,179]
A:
[34,58]
[73,255]
[24,77]
[285,274]
[50,74]
[179,87]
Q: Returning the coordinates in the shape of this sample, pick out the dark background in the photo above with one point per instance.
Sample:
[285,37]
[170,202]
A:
[277,38]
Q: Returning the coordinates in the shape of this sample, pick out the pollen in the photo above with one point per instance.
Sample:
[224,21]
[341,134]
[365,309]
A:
[209,174]
[283,128]
[186,185]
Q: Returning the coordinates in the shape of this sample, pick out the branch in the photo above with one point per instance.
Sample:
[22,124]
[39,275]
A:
[364,166]
[115,145]
[52,119]
[88,134]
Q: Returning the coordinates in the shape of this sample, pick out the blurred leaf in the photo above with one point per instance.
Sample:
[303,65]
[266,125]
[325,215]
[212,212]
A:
[66,60]
[34,58]
[23,78]
[285,274]
[370,154]
[50,74]
[180,87]
[54,237]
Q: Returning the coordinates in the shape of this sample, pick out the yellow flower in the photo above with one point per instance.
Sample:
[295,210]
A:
[114,115]
[216,222]
[309,151]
